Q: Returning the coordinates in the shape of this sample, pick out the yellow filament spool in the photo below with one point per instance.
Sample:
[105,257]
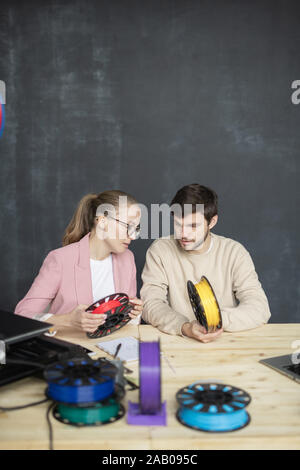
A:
[205,304]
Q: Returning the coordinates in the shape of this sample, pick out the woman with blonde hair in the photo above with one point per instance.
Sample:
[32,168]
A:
[93,263]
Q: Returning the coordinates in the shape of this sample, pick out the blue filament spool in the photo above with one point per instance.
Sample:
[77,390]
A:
[80,381]
[213,407]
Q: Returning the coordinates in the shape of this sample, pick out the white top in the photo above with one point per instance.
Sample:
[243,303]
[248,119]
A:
[102,277]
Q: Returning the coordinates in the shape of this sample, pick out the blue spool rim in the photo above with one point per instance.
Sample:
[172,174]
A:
[216,394]
[89,372]
[118,395]
[227,402]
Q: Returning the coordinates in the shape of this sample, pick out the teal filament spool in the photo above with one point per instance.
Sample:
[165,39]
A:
[98,414]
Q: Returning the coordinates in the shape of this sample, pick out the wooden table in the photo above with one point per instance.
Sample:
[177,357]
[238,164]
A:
[232,359]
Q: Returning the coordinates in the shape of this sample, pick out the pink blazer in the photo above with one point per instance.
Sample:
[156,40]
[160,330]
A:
[64,280]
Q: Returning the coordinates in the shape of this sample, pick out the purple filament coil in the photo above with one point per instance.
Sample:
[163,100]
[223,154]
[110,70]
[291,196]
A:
[150,380]
[150,411]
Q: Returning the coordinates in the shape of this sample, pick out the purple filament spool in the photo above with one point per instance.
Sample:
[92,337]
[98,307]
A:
[150,411]
[150,380]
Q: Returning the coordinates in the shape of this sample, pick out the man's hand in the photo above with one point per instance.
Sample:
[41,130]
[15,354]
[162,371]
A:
[137,307]
[194,330]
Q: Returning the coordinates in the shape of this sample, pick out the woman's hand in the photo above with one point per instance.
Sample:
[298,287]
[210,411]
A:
[87,321]
[137,307]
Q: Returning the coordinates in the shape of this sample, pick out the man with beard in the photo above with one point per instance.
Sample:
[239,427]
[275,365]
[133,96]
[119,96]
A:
[192,252]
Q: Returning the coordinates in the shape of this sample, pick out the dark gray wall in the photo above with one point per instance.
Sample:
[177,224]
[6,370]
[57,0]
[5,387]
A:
[147,96]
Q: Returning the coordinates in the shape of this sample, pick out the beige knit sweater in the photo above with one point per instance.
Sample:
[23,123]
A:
[228,267]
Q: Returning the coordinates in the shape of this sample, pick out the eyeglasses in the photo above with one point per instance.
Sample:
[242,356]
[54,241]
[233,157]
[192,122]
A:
[131,228]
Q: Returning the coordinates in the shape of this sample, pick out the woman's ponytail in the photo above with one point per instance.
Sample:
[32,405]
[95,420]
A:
[82,221]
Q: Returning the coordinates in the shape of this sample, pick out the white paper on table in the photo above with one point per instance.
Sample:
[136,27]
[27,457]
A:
[129,350]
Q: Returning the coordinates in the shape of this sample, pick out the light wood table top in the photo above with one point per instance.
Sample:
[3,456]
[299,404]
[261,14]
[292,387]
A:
[232,359]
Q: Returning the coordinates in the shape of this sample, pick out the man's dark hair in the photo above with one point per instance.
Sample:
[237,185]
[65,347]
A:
[196,194]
